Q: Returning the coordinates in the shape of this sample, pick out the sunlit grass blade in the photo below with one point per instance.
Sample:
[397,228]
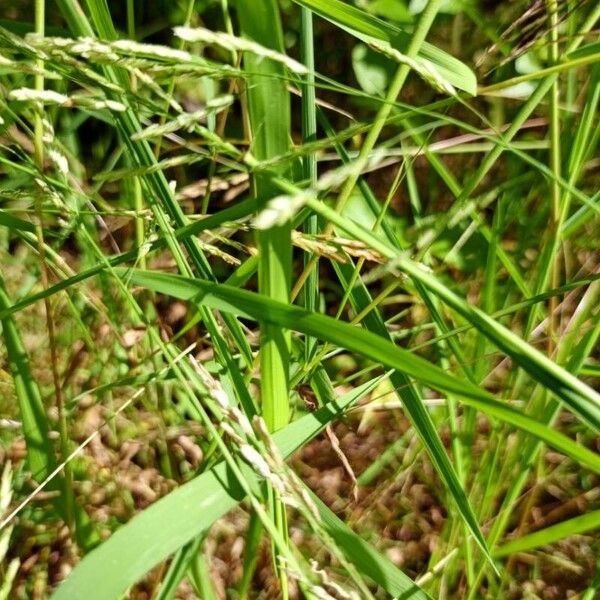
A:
[575,526]
[171,522]
[573,392]
[268,106]
[251,305]
[169,199]
[368,27]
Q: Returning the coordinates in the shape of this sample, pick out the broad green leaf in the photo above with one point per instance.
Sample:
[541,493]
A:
[396,10]
[368,28]
[167,525]
[373,71]
[270,124]
[591,51]
[254,306]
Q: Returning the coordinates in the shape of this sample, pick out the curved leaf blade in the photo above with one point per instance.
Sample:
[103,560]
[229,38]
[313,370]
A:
[369,28]
[167,525]
[549,535]
[254,306]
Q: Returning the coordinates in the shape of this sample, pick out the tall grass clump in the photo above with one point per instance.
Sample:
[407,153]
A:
[299,299]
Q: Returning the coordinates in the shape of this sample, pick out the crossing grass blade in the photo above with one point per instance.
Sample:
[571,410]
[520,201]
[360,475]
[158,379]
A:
[238,211]
[458,312]
[128,125]
[578,396]
[412,402]
[367,27]
[254,306]
[170,523]
[550,535]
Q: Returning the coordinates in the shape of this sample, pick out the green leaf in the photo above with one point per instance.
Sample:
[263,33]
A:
[574,393]
[549,535]
[588,51]
[369,28]
[167,525]
[373,71]
[254,306]
[40,453]
[395,10]
[270,123]
[7,220]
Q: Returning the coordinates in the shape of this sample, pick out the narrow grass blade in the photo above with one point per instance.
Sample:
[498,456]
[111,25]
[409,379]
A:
[177,569]
[574,393]
[254,306]
[40,454]
[239,211]
[8,220]
[414,407]
[366,558]
[578,525]
[163,202]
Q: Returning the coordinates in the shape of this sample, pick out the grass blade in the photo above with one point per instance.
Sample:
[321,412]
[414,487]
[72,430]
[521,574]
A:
[367,27]
[549,535]
[40,454]
[170,523]
[268,104]
[254,306]
[574,393]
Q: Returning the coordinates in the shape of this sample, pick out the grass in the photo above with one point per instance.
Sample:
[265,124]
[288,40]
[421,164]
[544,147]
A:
[298,302]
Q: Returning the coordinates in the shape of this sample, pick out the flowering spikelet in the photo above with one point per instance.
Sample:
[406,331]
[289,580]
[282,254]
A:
[152,50]
[44,96]
[232,43]
[340,592]
[52,97]
[280,210]
[186,121]
[425,68]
